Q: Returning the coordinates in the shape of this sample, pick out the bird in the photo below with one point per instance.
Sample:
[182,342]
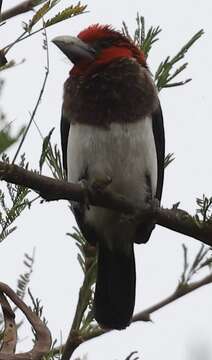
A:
[112,133]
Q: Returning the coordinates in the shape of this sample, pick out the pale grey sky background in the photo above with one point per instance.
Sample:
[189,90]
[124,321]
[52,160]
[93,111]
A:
[179,330]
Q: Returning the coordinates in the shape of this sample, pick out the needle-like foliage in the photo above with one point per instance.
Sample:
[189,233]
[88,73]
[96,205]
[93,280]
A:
[65,14]
[202,260]
[15,198]
[167,70]
[204,210]
[52,157]
[6,138]
[12,205]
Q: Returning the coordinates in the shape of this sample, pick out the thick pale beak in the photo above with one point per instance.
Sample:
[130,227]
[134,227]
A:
[74,48]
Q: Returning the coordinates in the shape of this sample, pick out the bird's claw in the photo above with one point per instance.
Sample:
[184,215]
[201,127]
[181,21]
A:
[100,183]
[97,185]
[150,212]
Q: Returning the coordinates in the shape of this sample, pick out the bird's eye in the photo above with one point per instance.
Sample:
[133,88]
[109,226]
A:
[92,51]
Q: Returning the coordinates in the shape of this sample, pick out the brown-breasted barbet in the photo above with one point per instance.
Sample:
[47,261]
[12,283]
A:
[112,132]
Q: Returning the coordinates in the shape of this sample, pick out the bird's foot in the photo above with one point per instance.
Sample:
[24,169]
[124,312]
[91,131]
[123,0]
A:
[97,185]
[100,183]
[148,212]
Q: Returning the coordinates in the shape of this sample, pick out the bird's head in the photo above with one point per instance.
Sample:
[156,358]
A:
[95,46]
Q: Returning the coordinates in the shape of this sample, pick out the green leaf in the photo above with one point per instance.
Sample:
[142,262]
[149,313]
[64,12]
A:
[140,38]
[38,15]
[38,2]
[51,155]
[166,73]
[65,14]
[150,39]
[12,205]
[46,143]
[41,12]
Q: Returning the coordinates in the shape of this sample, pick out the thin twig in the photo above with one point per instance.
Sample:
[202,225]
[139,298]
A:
[75,338]
[8,47]
[38,100]
[27,34]
[21,8]
[178,293]
[144,315]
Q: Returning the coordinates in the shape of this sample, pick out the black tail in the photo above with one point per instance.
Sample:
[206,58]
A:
[114,298]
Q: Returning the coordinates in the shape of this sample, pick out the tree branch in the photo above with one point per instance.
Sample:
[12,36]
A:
[43,337]
[21,8]
[10,331]
[144,315]
[178,293]
[51,189]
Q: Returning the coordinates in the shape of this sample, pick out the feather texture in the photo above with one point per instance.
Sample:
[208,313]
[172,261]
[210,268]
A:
[112,128]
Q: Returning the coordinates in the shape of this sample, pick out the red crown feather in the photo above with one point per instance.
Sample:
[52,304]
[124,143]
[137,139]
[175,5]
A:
[126,47]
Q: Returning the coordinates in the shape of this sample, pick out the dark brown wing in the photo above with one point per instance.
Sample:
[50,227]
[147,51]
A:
[145,229]
[64,132]
[77,208]
[158,131]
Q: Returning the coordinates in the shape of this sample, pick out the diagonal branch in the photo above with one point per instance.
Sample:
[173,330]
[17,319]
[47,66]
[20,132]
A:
[144,315]
[178,293]
[21,8]
[43,337]
[51,189]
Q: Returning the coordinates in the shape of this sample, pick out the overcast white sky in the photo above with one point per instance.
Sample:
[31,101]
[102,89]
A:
[181,329]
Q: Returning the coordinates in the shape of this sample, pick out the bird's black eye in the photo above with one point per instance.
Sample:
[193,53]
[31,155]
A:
[92,51]
[99,45]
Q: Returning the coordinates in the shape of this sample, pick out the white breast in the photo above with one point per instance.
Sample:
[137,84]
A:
[124,152]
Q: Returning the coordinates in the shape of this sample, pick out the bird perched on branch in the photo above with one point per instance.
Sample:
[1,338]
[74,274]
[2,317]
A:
[112,133]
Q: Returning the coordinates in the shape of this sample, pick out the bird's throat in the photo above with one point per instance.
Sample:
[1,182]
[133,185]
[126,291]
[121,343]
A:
[121,91]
